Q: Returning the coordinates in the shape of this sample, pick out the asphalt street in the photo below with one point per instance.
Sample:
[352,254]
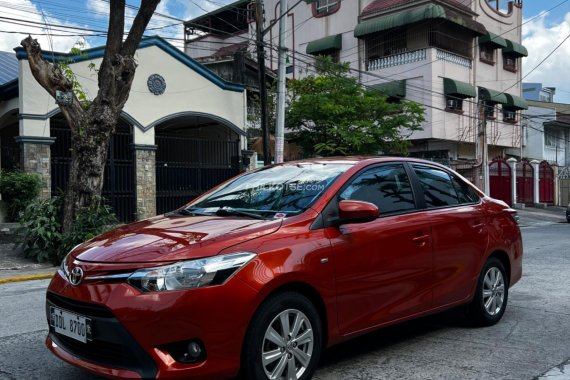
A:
[531,342]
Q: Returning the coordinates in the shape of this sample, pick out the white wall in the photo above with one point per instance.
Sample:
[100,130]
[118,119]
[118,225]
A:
[186,91]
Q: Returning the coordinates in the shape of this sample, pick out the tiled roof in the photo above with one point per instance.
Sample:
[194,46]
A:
[8,67]
[384,5]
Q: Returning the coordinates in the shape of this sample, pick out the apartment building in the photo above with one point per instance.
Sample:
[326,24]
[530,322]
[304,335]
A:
[461,59]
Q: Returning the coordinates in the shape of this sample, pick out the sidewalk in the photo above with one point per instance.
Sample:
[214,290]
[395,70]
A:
[531,216]
[15,267]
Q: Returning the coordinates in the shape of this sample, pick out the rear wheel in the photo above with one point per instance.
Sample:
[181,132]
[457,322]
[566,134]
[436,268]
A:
[490,301]
[284,339]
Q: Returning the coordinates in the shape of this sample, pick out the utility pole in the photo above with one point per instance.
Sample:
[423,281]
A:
[262,85]
[484,147]
[281,84]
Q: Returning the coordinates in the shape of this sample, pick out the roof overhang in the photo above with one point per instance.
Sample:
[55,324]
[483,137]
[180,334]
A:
[515,49]
[458,89]
[324,44]
[421,13]
[394,89]
[169,49]
[493,96]
[9,90]
[516,102]
[493,39]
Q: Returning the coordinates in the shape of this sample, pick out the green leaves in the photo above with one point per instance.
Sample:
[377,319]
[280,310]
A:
[332,114]
[18,190]
[41,223]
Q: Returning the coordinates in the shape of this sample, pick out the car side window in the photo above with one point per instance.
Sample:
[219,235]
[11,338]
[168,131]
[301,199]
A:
[465,193]
[386,186]
[437,186]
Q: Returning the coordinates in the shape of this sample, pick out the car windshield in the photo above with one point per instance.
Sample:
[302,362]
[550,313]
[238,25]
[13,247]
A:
[275,192]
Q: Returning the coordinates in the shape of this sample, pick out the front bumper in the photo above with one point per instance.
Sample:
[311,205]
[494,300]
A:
[130,328]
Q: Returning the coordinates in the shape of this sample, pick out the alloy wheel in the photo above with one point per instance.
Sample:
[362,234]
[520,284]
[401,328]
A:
[287,346]
[493,291]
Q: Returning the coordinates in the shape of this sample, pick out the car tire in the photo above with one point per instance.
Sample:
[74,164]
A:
[492,294]
[267,337]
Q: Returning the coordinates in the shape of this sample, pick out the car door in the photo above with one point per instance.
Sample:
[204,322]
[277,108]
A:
[460,236]
[383,268]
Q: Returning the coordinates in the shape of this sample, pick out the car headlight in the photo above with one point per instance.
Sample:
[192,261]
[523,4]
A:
[190,274]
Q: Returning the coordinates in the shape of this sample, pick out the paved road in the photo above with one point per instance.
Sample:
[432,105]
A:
[532,339]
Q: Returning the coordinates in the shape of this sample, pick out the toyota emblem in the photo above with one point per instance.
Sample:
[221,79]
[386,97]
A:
[76,276]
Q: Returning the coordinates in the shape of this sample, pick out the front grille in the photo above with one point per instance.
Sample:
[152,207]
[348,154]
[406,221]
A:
[83,308]
[111,343]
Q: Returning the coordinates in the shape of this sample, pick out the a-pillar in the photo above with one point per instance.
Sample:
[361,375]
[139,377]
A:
[145,166]
[35,157]
[536,178]
[513,164]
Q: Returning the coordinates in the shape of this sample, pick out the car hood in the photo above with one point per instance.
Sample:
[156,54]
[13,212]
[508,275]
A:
[171,238]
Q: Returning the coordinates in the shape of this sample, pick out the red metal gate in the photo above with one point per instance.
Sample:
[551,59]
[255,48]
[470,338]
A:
[546,183]
[525,187]
[500,180]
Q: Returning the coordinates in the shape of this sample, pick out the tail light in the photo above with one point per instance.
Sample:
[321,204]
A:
[513,213]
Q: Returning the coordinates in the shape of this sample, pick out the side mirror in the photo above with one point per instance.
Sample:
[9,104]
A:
[357,212]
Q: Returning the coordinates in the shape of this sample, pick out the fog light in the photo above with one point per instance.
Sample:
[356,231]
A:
[187,351]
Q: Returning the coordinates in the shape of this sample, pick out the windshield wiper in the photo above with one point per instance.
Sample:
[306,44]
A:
[228,211]
[192,211]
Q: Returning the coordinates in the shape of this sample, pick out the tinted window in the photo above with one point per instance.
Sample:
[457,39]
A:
[465,193]
[285,189]
[387,186]
[437,186]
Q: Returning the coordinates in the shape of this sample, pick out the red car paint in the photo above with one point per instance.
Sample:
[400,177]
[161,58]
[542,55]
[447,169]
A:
[362,276]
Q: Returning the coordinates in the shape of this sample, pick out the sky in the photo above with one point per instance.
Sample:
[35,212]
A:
[546,23]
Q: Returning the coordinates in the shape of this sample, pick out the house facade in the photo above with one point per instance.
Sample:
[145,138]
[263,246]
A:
[461,59]
[181,132]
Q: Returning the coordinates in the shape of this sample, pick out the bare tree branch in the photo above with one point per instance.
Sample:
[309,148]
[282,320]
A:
[142,19]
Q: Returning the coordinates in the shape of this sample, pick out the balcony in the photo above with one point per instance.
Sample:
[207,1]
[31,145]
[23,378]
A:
[453,58]
[396,59]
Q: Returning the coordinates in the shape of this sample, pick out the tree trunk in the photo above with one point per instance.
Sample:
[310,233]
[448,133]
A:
[92,127]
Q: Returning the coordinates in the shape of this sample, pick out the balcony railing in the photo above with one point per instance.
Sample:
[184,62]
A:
[396,59]
[453,58]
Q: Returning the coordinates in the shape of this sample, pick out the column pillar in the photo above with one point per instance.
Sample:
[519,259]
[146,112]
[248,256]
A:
[536,175]
[35,157]
[513,164]
[556,186]
[145,168]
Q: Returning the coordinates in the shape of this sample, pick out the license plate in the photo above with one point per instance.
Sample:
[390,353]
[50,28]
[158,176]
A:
[70,324]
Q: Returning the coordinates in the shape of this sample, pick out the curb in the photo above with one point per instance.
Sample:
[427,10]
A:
[25,278]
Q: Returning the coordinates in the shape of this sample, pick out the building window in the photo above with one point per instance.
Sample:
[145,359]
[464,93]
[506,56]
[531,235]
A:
[325,7]
[453,104]
[386,44]
[487,54]
[509,115]
[333,54]
[510,62]
[490,109]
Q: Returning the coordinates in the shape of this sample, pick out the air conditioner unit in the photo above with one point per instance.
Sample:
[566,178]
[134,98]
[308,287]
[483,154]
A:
[453,104]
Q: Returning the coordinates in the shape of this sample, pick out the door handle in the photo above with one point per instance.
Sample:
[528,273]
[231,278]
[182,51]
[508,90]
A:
[421,240]
[479,227]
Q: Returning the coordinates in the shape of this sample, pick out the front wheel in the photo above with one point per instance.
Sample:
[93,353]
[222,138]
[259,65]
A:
[490,301]
[284,340]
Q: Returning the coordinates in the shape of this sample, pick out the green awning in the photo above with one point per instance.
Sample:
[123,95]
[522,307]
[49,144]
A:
[394,89]
[493,39]
[492,96]
[516,102]
[327,43]
[515,48]
[458,89]
[420,13]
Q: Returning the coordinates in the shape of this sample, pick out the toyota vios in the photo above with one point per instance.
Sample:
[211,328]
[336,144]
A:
[261,273]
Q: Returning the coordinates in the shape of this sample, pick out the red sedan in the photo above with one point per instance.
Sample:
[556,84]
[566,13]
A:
[263,272]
